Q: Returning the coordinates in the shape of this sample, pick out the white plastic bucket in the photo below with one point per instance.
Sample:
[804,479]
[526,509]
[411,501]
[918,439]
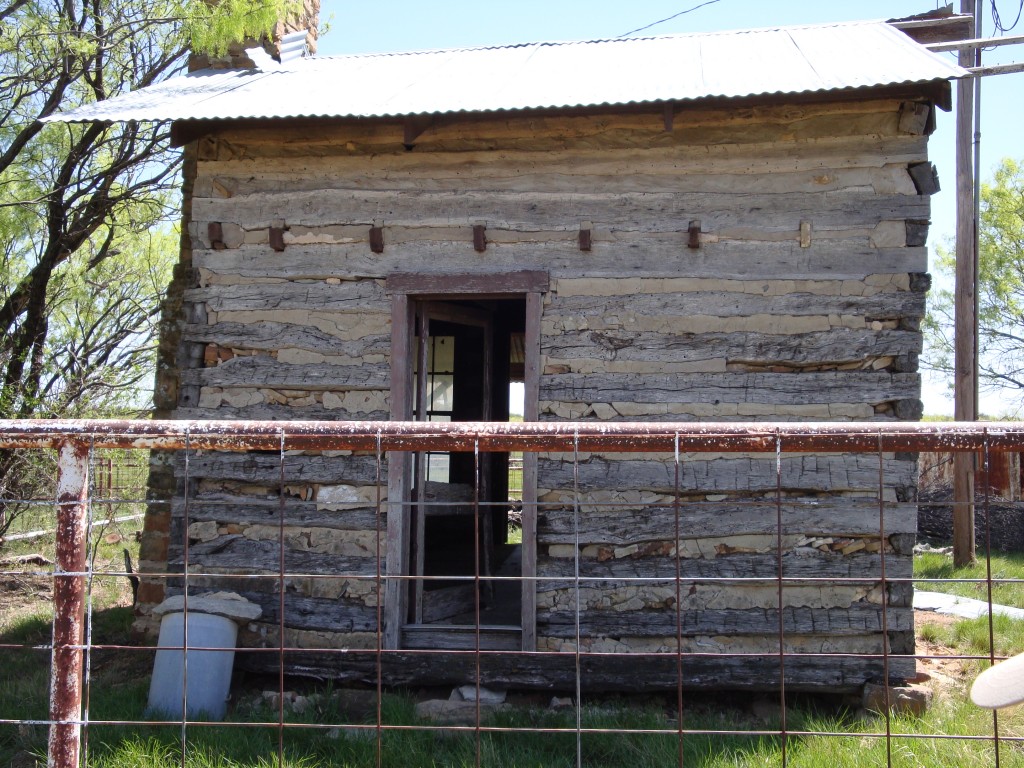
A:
[208,671]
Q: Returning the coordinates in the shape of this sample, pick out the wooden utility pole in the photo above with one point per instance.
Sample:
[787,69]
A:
[965,372]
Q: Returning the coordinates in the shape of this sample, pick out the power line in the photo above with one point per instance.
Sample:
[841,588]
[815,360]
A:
[675,16]
[998,21]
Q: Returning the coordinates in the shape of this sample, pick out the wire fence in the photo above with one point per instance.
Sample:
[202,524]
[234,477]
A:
[659,566]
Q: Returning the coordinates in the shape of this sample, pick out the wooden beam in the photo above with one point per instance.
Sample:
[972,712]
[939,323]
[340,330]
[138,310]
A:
[531,412]
[492,283]
[396,595]
[983,42]
[965,381]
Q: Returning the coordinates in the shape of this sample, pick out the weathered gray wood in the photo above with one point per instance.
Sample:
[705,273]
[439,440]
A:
[531,412]
[689,168]
[273,336]
[461,638]
[836,346]
[630,256]
[236,553]
[347,296]
[260,371]
[265,468]
[629,211]
[702,595]
[679,413]
[620,524]
[855,619]
[279,412]
[518,282]
[251,510]
[620,672]
[732,387]
[396,599]
[557,572]
[320,614]
[881,306]
[834,473]
[562,176]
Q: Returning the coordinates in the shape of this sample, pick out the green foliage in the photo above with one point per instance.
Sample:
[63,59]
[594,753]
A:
[211,27]
[1000,287]
[87,211]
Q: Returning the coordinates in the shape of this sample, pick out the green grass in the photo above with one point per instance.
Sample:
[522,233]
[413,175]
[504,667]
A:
[651,741]
[1008,566]
[537,737]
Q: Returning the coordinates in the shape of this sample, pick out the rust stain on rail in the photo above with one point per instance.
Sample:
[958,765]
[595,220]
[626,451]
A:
[528,436]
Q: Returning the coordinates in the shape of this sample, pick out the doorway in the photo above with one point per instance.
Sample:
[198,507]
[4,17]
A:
[458,341]
[466,567]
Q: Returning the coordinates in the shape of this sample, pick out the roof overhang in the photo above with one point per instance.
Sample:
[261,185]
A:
[937,92]
[783,64]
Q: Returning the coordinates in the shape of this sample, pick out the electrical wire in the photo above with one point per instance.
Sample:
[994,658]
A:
[674,16]
[998,21]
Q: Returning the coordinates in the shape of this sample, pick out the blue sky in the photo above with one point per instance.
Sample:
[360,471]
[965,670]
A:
[401,25]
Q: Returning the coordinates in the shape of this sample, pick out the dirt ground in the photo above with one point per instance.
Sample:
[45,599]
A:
[944,675]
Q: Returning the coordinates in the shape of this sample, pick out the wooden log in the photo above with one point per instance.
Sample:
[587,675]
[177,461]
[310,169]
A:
[666,412]
[716,388]
[236,554]
[837,346]
[266,468]
[349,296]
[620,524]
[569,172]
[262,371]
[242,510]
[744,126]
[647,256]
[716,301]
[312,614]
[626,211]
[279,412]
[449,637]
[693,166]
[274,336]
[855,619]
[607,673]
[833,473]
[558,572]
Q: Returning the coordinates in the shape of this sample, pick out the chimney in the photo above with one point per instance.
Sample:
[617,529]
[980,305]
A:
[308,18]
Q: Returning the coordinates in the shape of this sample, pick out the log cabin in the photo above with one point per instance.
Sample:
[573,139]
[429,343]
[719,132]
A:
[705,227]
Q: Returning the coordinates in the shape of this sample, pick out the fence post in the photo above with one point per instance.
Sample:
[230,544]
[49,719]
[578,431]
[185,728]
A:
[69,606]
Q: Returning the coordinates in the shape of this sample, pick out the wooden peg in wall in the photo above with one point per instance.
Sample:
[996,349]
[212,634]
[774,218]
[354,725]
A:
[377,236]
[585,235]
[694,231]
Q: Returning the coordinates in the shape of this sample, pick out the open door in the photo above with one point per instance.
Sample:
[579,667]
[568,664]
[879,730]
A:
[461,547]
[453,535]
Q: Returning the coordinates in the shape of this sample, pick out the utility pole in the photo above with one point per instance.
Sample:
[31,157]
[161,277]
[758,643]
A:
[965,375]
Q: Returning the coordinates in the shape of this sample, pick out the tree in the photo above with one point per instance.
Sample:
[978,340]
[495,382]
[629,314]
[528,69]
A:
[85,209]
[1000,288]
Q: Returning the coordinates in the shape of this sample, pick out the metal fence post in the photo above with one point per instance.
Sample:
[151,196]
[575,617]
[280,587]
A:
[69,605]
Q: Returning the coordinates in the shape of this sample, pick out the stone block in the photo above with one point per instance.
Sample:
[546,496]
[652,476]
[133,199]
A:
[911,699]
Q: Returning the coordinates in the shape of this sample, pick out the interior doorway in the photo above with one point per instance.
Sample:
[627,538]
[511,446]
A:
[467,353]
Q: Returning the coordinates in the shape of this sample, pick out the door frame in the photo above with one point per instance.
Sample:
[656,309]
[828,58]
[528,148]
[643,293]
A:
[427,312]
[405,290]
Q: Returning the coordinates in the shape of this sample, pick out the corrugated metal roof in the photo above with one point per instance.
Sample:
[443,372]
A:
[783,60]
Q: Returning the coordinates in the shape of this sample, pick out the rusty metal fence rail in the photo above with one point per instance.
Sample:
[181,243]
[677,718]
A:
[578,657]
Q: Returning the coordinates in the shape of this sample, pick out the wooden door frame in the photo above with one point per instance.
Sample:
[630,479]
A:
[405,290]
[428,311]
